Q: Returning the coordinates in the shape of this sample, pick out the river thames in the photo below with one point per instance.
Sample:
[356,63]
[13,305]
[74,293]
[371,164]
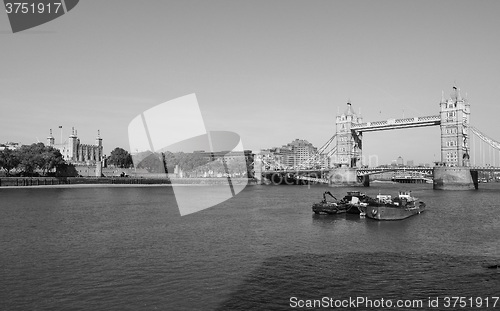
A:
[127,248]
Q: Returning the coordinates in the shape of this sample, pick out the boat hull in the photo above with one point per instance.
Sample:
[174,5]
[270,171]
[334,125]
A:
[386,212]
[328,208]
[354,209]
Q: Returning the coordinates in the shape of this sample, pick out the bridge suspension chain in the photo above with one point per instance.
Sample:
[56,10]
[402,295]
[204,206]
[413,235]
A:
[273,164]
[485,138]
[331,152]
[315,159]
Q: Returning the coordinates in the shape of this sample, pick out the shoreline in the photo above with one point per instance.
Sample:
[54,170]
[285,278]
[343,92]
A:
[82,182]
[62,186]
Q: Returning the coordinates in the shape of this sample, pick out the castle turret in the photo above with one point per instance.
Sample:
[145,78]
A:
[72,145]
[98,139]
[50,139]
[98,142]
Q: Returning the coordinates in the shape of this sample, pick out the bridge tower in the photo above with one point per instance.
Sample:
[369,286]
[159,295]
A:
[348,146]
[455,116]
[454,173]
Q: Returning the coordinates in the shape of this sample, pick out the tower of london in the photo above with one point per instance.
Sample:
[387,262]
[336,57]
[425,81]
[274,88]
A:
[76,153]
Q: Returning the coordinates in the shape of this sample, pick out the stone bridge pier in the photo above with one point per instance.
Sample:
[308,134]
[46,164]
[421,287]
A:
[454,178]
[347,176]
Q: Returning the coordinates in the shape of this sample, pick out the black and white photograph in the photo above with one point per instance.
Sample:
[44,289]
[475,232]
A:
[233,155]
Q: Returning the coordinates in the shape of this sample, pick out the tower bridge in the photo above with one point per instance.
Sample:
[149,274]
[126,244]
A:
[454,171]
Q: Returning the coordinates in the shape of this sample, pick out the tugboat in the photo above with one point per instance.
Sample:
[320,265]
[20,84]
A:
[386,208]
[329,207]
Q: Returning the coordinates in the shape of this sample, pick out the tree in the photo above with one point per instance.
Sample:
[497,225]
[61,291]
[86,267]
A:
[51,158]
[39,156]
[120,157]
[170,161]
[29,158]
[66,170]
[9,160]
[152,162]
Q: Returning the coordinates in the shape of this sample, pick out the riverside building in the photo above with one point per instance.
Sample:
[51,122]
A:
[297,152]
[77,153]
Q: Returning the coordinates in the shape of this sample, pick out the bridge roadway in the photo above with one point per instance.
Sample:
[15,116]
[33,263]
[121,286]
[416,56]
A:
[485,168]
[379,170]
[360,171]
[284,171]
[425,170]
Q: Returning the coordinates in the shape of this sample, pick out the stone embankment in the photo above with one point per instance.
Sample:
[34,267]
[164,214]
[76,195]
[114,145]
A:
[52,181]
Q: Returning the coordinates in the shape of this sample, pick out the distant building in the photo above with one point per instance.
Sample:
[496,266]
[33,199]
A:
[271,156]
[292,154]
[410,163]
[228,155]
[238,164]
[400,161]
[9,145]
[326,162]
[76,153]
[297,152]
[287,156]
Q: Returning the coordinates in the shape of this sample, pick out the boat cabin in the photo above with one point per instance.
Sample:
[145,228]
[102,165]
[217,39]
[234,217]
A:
[353,197]
[405,195]
[384,198]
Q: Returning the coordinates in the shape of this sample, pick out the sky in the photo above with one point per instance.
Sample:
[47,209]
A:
[271,71]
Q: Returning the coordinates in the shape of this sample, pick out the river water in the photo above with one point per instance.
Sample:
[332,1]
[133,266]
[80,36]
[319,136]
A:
[127,248]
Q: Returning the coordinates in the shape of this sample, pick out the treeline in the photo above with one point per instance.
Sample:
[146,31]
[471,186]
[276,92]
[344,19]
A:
[30,160]
[193,164]
[155,162]
[37,159]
